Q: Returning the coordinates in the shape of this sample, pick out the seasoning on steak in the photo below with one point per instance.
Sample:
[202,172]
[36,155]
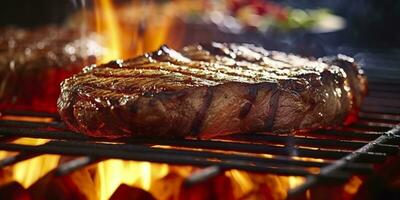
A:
[34,62]
[211,90]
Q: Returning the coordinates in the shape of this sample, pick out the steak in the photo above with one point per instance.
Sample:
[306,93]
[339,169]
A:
[211,90]
[33,63]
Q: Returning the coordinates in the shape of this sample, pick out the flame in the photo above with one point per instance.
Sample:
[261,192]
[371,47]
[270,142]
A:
[112,173]
[133,29]
[29,171]
[353,185]
[274,186]
[243,181]
[295,181]
[107,26]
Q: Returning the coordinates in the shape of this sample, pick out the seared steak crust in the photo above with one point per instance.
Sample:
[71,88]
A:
[211,90]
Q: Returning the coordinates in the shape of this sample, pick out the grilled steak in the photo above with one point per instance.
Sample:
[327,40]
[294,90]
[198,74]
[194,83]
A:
[34,62]
[211,90]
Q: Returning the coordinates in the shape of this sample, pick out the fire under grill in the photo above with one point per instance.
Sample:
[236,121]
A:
[337,154]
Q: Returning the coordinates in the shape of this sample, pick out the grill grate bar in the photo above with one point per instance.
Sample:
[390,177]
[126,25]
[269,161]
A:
[26,124]
[55,116]
[66,148]
[387,102]
[17,158]
[76,164]
[275,161]
[203,175]
[383,110]
[207,154]
[313,180]
[313,142]
[385,95]
[351,133]
[358,168]
[212,171]
[39,133]
[376,116]
[204,144]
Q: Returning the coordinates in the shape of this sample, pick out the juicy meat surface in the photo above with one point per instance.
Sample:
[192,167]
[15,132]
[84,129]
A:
[211,90]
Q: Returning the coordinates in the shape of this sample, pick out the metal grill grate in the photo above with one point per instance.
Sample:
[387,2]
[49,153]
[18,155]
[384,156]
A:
[346,151]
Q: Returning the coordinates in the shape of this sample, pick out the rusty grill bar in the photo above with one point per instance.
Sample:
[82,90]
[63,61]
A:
[346,151]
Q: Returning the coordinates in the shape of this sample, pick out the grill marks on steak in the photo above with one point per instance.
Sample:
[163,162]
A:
[211,90]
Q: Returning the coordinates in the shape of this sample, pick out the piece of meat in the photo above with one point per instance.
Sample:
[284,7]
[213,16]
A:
[33,63]
[211,90]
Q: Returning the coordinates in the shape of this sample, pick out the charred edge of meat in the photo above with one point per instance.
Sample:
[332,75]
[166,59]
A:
[356,79]
[273,107]
[199,118]
[252,95]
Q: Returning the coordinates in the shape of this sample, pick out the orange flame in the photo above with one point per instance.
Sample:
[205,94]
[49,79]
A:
[29,171]
[107,26]
[133,29]
[112,173]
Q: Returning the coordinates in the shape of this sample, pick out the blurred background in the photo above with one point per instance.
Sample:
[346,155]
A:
[368,23]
